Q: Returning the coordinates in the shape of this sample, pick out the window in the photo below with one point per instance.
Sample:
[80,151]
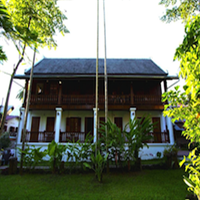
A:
[73,124]
[12,129]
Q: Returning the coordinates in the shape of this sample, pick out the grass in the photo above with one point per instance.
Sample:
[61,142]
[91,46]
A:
[144,185]
[153,161]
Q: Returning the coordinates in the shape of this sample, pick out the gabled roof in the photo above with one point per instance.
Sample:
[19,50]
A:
[9,117]
[78,67]
[88,66]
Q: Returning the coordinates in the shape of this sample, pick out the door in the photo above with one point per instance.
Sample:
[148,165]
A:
[73,128]
[157,129]
[35,129]
[118,122]
[49,133]
[73,124]
[50,124]
[89,126]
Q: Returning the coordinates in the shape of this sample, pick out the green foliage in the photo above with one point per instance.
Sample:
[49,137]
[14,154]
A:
[181,9]
[158,154]
[4,140]
[193,168]
[97,164]
[2,54]
[56,152]
[86,149]
[170,157]
[185,104]
[137,133]
[20,94]
[73,154]
[36,21]
[5,25]
[32,156]
[114,141]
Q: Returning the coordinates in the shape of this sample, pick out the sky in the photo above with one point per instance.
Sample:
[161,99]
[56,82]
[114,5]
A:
[133,30]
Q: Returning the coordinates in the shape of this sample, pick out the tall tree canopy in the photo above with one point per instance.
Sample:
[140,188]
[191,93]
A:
[182,9]
[186,105]
[5,26]
[36,23]
[37,19]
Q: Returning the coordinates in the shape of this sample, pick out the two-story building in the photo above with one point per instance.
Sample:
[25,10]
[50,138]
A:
[62,104]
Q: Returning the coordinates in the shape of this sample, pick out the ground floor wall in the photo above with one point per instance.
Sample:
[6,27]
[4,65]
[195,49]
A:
[125,115]
[60,125]
[146,153]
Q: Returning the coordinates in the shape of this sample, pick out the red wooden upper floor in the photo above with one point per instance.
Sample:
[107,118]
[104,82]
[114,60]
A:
[80,94]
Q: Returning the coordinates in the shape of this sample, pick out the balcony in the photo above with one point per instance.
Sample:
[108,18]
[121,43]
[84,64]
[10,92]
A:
[73,137]
[90,100]
[40,136]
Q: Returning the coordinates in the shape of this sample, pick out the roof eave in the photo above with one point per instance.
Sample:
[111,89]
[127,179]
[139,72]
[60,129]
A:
[93,75]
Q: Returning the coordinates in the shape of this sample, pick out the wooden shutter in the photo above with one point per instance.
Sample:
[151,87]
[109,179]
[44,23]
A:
[73,124]
[35,129]
[50,124]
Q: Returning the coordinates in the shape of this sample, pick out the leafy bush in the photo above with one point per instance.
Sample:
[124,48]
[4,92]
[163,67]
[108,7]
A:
[170,157]
[97,164]
[32,156]
[137,134]
[56,152]
[114,142]
[4,140]
[192,167]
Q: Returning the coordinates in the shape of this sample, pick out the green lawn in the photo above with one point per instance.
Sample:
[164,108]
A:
[147,184]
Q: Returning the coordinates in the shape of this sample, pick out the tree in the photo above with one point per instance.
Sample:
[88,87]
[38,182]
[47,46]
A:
[35,21]
[97,79]
[186,105]
[105,75]
[5,25]
[113,139]
[182,9]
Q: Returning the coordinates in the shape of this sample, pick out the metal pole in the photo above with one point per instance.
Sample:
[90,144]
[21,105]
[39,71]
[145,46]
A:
[106,80]
[97,69]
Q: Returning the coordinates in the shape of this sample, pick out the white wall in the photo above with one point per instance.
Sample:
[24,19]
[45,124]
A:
[12,122]
[82,114]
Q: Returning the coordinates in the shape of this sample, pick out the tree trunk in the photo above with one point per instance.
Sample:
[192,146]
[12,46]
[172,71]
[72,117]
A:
[10,85]
[8,95]
[26,113]
[97,69]
[106,80]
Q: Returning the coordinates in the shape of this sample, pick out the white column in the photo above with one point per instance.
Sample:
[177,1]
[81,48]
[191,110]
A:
[171,131]
[58,122]
[95,115]
[21,125]
[163,123]
[132,113]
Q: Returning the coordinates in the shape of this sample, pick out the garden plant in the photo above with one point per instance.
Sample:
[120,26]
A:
[183,104]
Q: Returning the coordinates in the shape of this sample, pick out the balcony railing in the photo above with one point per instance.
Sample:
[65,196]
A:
[44,136]
[73,137]
[44,99]
[90,99]
[147,99]
[159,137]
